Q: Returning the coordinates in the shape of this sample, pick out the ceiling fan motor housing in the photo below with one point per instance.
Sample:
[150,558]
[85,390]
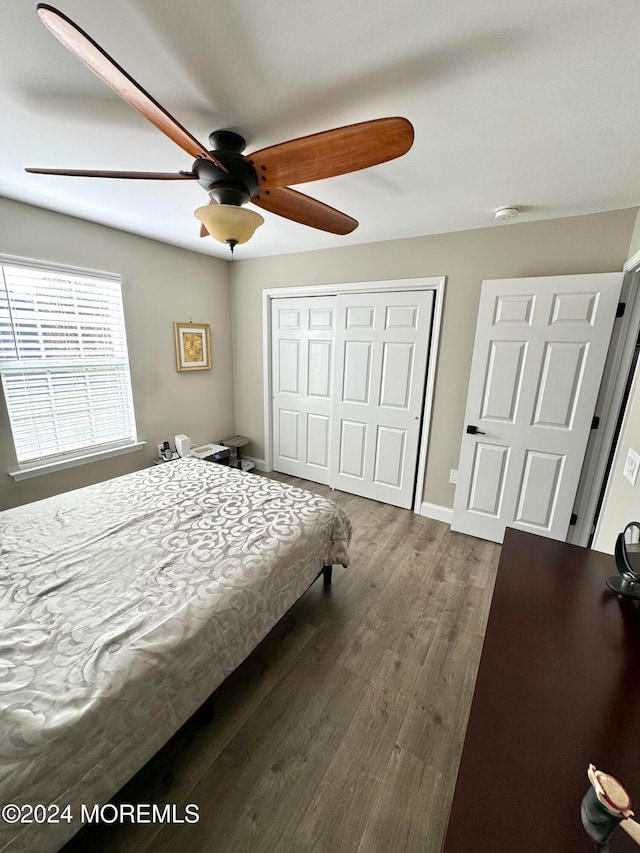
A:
[239,183]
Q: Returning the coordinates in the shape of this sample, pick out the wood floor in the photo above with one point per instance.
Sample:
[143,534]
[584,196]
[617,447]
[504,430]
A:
[343,730]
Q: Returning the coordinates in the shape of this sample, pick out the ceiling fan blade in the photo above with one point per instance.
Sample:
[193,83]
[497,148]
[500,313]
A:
[107,69]
[332,152]
[303,209]
[143,176]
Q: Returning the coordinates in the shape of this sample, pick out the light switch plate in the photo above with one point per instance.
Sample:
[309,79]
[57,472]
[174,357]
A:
[631,466]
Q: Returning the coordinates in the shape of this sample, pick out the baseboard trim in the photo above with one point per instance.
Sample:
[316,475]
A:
[260,464]
[437,512]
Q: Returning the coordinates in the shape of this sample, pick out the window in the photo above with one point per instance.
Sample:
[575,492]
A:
[64,362]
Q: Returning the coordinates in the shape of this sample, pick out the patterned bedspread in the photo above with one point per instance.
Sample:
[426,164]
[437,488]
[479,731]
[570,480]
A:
[123,606]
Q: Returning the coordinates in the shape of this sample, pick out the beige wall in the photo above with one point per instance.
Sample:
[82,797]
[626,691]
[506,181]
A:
[634,245]
[596,243]
[161,284]
[622,500]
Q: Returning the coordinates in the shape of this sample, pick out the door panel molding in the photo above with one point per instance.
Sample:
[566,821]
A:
[356,378]
[487,479]
[502,390]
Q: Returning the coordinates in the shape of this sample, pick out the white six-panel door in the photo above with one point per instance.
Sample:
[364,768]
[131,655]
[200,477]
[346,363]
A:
[302,364]
[382,341]
[539,353]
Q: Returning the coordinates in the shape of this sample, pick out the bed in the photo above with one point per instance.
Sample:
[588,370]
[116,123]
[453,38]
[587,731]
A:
[123,606]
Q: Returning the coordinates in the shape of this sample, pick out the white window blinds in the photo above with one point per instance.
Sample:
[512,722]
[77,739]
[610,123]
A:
[64,363]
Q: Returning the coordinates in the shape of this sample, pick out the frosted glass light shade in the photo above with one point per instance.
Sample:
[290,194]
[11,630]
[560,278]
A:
[229,223]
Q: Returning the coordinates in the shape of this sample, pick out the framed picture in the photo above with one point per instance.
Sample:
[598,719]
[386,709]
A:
[193,346]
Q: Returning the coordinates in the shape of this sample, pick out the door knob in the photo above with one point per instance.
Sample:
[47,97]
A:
[473,430]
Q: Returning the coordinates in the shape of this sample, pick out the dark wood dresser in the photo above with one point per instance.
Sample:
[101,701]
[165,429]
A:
[558,687]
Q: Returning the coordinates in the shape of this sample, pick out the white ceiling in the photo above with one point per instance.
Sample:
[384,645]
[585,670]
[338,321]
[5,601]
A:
[532,104]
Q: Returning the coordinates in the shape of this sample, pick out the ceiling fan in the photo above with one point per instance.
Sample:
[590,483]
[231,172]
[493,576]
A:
[230,177]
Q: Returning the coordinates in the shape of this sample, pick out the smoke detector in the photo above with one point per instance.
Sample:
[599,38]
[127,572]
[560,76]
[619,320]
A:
[506,213]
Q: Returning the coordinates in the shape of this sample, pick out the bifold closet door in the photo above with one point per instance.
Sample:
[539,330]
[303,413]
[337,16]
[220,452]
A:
[382,342]
[302,346]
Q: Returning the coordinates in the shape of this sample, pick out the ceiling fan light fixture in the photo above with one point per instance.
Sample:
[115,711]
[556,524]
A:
[229,223]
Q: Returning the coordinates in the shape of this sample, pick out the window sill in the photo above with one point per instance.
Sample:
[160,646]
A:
[62,464]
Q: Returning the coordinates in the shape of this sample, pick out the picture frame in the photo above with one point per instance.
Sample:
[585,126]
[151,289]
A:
[193,346]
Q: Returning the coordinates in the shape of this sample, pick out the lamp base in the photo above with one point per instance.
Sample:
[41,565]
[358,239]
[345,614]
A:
[619,584]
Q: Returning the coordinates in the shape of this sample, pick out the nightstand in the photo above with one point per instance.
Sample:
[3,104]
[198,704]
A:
[235,443]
